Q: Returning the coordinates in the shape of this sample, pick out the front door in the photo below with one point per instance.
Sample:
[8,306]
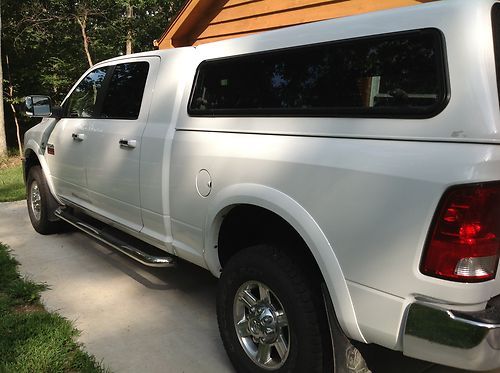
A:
[67,145]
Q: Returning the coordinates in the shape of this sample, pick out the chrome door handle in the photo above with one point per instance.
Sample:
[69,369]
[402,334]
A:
[78,136]
[127,143]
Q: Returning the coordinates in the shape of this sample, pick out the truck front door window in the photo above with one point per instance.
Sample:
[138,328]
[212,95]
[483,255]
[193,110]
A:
[82,102]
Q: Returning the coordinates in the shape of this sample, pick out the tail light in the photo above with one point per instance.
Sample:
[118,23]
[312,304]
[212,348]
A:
[464,239]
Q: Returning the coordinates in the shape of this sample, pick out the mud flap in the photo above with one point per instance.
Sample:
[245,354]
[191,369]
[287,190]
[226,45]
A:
[346,357]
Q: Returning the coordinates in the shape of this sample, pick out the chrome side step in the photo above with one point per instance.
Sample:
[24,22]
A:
[140,255]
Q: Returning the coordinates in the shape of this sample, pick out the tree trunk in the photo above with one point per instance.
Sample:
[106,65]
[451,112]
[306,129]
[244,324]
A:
[3,138]
[18,132]
[82,21]
[130,15]
[12,107]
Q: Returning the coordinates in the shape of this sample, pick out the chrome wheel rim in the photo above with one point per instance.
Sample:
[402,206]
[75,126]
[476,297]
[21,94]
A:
[261,325]
[35,200]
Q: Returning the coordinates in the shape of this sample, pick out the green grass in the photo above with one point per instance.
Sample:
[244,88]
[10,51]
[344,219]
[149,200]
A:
[32,339]
[11,180]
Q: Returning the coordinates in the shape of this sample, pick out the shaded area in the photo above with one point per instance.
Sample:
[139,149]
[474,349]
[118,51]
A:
[31,339]
[166,317]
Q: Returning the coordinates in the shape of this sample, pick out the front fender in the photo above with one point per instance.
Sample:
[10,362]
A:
[32,149]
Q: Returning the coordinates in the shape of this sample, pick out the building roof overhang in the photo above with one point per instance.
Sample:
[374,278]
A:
[184,25]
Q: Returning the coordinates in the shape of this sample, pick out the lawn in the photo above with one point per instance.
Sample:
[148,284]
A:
[32,339]
[11,179]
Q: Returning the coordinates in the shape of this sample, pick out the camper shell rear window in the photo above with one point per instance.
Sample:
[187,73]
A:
[399,75]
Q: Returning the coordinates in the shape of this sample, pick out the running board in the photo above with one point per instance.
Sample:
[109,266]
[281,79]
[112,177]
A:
[110,238]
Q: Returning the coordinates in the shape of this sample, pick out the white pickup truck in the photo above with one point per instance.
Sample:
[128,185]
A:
[342,178]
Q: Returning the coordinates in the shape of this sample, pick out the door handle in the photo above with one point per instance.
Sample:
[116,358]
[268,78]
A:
[78,136]
[127,143]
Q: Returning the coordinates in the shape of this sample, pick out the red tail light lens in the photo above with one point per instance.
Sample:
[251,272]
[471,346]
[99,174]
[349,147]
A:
[464,240]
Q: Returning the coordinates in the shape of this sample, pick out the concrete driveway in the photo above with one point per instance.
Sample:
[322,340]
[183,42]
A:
[135,318]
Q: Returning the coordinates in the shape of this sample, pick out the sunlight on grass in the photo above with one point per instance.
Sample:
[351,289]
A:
[11,180]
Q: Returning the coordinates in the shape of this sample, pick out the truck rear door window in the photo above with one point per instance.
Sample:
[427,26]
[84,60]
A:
[396,75]
[124,95]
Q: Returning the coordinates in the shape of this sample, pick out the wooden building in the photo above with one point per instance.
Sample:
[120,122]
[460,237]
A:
[204,21]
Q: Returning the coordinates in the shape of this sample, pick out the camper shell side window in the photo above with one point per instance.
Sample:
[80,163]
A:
[392,75]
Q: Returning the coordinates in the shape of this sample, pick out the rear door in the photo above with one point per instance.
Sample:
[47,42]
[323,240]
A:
[114,146]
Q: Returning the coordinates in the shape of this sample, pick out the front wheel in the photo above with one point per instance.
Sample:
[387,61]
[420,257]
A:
[38,195]
[268,317]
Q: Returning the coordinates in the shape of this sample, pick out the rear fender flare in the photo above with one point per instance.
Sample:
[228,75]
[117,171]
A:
[292,212]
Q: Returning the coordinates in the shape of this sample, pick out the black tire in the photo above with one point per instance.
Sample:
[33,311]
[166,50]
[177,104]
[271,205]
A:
[38,197]
[266,266]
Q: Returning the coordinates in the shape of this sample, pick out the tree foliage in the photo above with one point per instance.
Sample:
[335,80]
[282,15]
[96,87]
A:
[50,43]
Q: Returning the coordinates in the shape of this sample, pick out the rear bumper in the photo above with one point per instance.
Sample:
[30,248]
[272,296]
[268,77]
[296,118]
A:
[466,340]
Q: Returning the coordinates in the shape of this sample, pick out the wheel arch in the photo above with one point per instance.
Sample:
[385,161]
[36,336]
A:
[30,160]
[275,206]
[33,157]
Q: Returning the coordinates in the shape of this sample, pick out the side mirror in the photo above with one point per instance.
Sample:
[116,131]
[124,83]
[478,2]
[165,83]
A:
[38,106]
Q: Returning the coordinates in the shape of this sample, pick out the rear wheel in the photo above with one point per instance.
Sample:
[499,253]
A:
[268,317]
[38,202]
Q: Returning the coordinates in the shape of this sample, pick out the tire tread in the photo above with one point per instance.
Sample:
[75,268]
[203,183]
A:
[262,258]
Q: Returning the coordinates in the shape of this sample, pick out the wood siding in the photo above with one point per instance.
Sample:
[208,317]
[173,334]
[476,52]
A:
[212,20]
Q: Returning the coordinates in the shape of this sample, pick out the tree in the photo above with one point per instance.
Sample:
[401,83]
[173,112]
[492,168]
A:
[13,101]
[142,21]
[82,17]
[3,138]
[50,43]
[130,16]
